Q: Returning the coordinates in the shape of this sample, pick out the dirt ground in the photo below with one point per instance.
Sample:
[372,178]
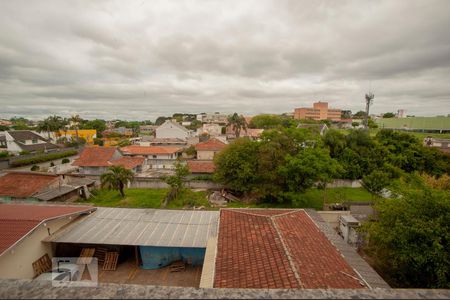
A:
[128,272]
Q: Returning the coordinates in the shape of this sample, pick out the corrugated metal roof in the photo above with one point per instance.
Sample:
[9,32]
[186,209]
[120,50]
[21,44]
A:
[143,227]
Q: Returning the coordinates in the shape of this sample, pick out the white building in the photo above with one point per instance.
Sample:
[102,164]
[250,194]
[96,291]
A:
[172,130]
[26,140]
[211,129]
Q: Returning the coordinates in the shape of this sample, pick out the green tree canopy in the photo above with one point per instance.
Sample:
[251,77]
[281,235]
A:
[116,178]
[409,238]
[389,115]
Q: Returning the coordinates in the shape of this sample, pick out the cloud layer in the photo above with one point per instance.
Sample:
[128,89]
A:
[142,59]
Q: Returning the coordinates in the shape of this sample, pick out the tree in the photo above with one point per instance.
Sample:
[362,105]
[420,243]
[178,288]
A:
[346,114]
[237,123]
[236,165]
[97,124]
[310,166]
[359,115]
[369,100]
[116,178]
[51,124]
[409,238]
[371,124]
[176,182]
[376,181]
[161,120]
[266,121]
[389,115]
[76,119]
[4,128]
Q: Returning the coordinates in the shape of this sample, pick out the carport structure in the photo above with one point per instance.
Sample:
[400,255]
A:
[159,237]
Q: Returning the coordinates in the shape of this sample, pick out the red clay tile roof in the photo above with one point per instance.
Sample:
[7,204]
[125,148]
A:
[17,220]
[199,166]
[277,249]
[95,157]
[210,145]
[149,150]
[23,185]
[129,162]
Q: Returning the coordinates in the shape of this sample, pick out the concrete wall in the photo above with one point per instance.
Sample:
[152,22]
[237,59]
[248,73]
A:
[17,262]
[153,183]
[332,217]
[345,183]
[206,155]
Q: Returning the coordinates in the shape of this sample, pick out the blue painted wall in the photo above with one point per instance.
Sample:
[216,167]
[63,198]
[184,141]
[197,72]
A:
[158,257]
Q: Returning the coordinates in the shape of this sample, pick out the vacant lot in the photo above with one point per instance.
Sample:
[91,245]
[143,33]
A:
[314,198]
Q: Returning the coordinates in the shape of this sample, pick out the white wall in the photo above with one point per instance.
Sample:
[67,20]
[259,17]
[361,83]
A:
[17,263]
[171,130]
[206,155]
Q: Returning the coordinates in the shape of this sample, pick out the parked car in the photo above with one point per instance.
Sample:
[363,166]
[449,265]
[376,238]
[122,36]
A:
[65,272]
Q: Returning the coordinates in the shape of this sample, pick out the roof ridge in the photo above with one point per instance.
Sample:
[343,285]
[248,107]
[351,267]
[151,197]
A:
[286,249]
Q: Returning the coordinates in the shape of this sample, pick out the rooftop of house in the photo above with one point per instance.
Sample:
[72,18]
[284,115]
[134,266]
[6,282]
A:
[18,220]
[129,162]
[22,135]
[24,184]
[149,150]
[201,166]
[252,132]
[210,145]
[174,124]
[95,157]
[286,244]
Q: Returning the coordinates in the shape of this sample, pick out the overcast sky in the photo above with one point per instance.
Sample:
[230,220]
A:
[142,59]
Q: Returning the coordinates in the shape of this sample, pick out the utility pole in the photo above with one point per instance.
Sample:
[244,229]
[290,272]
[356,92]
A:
[369,101]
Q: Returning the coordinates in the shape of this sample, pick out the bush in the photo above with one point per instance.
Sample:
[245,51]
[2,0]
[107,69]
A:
[42,158]
[4,154]
[35,168]
[65,161]
[205,177]
[52,164]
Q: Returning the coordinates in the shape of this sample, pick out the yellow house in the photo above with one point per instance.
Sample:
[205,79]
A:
[88,134]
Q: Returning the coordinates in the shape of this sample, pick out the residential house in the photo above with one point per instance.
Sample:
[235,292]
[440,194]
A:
[211,129]
[285,249]
[171,130]
[147,129]
[88,134]
[207,150]
[25,140]
[251,133]
[5,122]
[157,157]
[216,118]
[123,131]
[23,227]
[3,142]
[161,237]
[35,186]
[97,160]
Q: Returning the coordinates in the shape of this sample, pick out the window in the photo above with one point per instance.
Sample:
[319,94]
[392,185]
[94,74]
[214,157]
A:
[34,141]
[154,156]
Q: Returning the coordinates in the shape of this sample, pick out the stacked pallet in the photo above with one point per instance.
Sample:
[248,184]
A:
[100,253]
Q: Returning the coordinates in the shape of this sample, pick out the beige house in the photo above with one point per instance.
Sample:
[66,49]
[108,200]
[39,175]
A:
[23,227]
[207,150]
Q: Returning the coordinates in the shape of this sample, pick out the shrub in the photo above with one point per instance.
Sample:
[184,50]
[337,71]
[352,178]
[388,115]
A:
[42,158]
[52,164]
[4,154]
[35,168]
[65,161]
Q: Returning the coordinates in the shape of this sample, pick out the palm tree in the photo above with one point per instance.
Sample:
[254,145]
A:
[51,124]
[75,119]
[237,123]
[116,178]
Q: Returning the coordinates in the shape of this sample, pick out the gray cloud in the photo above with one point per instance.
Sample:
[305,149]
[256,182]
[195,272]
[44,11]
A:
[141,59]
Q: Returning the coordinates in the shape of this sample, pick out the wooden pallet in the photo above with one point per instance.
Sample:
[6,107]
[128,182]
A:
[111,259]
[177,266]
[86,256]
[42,265]
[100,253]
